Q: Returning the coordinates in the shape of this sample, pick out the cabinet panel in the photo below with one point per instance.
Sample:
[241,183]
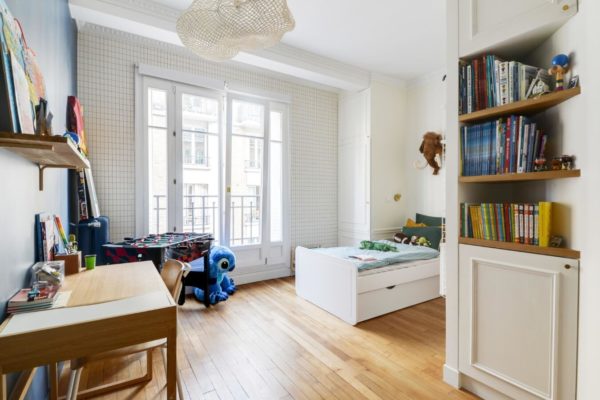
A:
[518,322]
[490,23]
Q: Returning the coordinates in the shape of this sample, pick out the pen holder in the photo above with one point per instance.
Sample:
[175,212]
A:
[72,262]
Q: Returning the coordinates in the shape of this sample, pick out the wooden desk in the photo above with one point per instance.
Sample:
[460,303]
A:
[53,343]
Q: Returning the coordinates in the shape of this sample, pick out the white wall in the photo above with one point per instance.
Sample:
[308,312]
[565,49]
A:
[106,61]
[574,128]
[51,34]
[388,132]
[425,192]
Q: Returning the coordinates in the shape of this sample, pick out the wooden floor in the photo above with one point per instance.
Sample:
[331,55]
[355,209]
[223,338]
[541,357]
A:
[266,343]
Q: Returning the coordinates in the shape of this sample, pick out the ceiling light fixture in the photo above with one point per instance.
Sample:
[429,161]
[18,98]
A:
[219,29]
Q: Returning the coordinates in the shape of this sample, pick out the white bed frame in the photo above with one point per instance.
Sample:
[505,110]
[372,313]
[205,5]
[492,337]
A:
[335,285]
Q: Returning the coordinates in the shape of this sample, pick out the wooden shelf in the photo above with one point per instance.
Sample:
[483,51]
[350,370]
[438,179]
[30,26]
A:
[45,151]
[525,248]
[523,177]
[526,107]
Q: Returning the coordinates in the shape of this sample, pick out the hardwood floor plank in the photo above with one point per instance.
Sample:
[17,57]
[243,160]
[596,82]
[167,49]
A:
[267,343]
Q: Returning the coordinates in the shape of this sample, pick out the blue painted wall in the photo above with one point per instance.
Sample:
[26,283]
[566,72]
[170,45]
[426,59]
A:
[51,33]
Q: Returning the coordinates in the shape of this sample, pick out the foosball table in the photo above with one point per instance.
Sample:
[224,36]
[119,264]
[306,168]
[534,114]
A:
[185,247]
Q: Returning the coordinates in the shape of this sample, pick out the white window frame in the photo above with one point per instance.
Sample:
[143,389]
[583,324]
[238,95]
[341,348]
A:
[272,253]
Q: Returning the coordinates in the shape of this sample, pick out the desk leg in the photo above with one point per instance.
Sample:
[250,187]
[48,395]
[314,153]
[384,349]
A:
[53,379]
[2,386]
[172,365]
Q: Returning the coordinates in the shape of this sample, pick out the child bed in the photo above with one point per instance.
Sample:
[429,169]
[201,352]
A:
[355,291]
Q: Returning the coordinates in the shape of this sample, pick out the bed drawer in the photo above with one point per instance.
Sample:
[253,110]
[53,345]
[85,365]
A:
[382,301]
[416,271]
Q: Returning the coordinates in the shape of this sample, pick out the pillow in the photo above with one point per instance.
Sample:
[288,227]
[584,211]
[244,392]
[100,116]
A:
[429,221]
[432,233]
[412,224]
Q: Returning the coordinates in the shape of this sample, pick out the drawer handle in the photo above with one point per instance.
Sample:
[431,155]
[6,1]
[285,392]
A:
[567,266]
[390,287]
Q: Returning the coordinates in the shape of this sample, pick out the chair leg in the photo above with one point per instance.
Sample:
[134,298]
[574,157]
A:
[75,384]
[71,385]
[163,352]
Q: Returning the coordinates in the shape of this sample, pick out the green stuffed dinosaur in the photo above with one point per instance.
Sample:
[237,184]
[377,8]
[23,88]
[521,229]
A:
[368,245]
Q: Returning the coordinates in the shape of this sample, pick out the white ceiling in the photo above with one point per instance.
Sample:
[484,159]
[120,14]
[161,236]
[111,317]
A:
[399,38]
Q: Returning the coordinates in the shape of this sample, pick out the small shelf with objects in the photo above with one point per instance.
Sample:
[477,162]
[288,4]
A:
[45,151]
[502,141]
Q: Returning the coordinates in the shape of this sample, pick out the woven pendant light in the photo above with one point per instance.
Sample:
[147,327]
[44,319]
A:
[219,29]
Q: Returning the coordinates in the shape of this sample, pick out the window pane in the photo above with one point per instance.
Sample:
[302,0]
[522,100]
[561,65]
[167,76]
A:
[246,190]
[248,119]
[276,187]
[157,108]
[199,114]
[200,123]
[157,139]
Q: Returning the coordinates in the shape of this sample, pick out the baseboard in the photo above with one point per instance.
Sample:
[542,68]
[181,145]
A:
[451,376]
[260,273]
[482,390]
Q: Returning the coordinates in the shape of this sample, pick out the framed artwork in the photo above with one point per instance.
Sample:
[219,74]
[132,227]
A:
[573,82]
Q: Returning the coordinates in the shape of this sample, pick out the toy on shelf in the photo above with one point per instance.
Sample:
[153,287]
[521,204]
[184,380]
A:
[540,165]
[564,162]
[222,261]
[560,66]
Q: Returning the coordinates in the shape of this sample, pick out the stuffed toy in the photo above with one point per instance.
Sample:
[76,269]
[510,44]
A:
[414,240]
[431,147]
[222,260]
[368,245]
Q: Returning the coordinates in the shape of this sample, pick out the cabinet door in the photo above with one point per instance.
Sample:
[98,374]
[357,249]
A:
[490,23]
[518,322]
[354,166]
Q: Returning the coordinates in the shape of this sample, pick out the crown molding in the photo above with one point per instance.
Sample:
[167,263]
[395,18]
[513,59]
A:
[151,20]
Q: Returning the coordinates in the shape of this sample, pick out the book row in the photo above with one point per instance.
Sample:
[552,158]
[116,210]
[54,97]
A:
[525,223]
[506,145]
[489,81]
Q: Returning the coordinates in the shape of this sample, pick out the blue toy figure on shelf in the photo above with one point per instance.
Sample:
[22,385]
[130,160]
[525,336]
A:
[222,261]
[560,66]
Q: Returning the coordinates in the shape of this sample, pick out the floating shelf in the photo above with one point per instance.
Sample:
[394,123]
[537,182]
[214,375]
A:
[525,248]
[523,177]
[526,107]
[45,151]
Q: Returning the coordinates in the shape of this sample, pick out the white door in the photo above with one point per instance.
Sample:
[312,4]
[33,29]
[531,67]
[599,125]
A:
[254,179]
[354,169]
[518,322]
[218,163]
[183,179]
[488,23]
[159,156]
[199,137]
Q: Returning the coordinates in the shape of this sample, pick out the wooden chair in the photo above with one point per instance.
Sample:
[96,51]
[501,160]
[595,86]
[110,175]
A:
[172,274]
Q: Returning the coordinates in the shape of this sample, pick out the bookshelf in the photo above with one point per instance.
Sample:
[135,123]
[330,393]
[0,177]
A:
[521,177]
[45,151]
[524,107]
[492,285]
[525,248]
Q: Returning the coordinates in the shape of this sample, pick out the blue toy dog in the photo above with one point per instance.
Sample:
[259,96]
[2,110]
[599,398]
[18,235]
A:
[222,260]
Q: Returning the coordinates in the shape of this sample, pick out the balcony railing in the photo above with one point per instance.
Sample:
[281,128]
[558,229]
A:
[201,215]
[245,220]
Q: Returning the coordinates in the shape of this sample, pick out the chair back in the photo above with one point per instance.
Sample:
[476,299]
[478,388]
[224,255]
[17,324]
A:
[172,275]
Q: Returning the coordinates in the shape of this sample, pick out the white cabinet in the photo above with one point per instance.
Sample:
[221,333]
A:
[353,168]
[518,322]
[491,23]
[371,134]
